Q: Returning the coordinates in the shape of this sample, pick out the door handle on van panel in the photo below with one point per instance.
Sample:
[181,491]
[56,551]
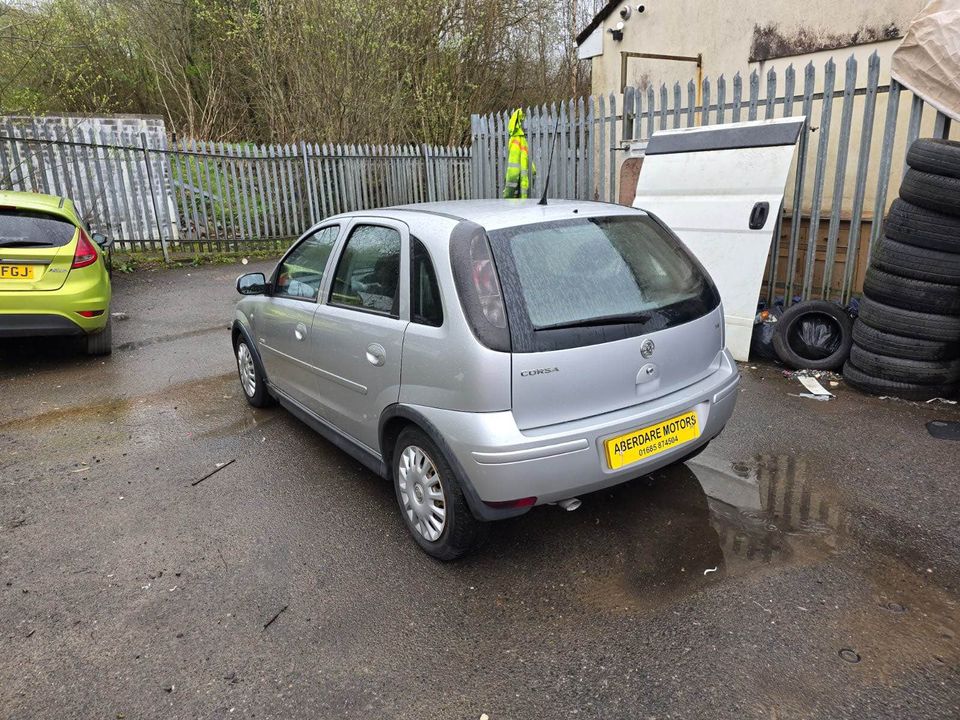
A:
[301,331]
[376,355]
[758,216]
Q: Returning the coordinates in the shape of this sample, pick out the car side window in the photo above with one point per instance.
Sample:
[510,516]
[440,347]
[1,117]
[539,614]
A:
[425,306]
[301,272]
[368,273]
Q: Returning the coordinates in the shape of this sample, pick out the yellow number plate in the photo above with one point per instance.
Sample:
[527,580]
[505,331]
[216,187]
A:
[17,272]
[646,442]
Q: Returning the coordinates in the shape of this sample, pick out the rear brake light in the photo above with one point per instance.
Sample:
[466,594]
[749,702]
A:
[86,253]
[90,313]
[510,504]
[486,283]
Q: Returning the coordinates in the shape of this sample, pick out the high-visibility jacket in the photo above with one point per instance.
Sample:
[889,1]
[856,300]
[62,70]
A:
[520,171]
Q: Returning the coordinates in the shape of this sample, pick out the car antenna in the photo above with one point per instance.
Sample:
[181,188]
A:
[546,179]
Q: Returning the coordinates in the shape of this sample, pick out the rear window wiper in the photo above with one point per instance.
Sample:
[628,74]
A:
[621,319]
[23,243]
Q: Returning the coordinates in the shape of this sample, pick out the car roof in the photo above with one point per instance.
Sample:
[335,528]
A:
[37,201]
[496,214]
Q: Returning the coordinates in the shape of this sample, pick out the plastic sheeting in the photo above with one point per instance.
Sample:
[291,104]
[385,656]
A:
[928,60]
[815,336]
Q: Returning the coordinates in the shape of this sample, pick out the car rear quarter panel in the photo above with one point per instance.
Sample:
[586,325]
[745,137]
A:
[447,367]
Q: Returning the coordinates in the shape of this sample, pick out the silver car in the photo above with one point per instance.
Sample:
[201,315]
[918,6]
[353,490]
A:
[489,356]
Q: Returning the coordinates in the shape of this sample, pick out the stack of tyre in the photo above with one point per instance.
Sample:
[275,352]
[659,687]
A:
[906,341]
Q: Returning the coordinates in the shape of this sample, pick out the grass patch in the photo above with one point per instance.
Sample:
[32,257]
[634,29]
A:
[138,262]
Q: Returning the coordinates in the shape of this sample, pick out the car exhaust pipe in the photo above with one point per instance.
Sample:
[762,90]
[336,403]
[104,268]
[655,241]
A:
[570,504]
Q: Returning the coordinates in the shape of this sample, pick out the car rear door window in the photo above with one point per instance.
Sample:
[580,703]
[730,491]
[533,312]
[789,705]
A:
[301,272]
[368,272]
[425,305]
[28,228]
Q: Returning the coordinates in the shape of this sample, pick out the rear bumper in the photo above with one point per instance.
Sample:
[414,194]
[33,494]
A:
[25,313]
[36,324]
[503,463]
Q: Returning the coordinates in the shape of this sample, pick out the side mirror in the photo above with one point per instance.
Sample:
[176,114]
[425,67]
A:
[102,240]
[252,284]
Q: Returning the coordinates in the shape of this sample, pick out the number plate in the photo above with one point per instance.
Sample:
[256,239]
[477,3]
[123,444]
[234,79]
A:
[646,442]
[17,272]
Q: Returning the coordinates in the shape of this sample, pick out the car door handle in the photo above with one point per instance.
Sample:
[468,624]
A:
[301,331]
[376,355]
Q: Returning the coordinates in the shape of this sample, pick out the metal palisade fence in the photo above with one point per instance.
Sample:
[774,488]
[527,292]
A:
[194,196]
[848,165]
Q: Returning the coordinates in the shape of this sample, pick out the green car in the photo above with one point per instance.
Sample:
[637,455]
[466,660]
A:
[54,278]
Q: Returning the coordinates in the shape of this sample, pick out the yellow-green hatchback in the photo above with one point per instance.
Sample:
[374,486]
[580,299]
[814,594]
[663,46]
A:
[54,277]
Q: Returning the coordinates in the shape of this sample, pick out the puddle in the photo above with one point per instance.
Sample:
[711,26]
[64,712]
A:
[692,525]
[767,512]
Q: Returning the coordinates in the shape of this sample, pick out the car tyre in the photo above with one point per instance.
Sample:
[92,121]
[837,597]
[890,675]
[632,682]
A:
[885,343]
[919,372]
[909,323]
[933,192]
[936,156]
[910,293]
[251,375]
[101,343]
[785,337]
[919,263]
[879,386]
[913,225]
[432,504]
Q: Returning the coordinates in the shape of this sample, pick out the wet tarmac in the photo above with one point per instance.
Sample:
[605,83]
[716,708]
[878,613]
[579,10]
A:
[167,551]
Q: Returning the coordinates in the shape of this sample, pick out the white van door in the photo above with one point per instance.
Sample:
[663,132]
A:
[720,188]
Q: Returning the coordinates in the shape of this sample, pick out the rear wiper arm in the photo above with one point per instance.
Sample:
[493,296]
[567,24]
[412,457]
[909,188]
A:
[21,243]
[622,319]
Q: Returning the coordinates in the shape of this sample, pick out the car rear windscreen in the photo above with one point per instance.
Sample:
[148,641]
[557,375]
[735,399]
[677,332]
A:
[590,275]
[29,228]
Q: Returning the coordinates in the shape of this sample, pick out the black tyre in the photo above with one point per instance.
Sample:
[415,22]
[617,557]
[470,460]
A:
[878,386]
[101,343]
[251,375]
[813,335]
[930,191]
[911,294]
[431,500]
[940,157]
[916,262]
[908,223]
[909,323]
[918,372]
[885,343]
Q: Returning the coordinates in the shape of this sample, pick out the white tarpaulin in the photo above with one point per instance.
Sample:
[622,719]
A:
[928,60]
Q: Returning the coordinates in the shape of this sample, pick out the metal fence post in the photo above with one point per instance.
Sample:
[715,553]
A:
[846,117]
[153,196]
[941,126]
[308,183]
[886,157]
[859,185]
[428,171]
[823,145]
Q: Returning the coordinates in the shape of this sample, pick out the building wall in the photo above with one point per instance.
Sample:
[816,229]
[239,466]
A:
[740,36]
